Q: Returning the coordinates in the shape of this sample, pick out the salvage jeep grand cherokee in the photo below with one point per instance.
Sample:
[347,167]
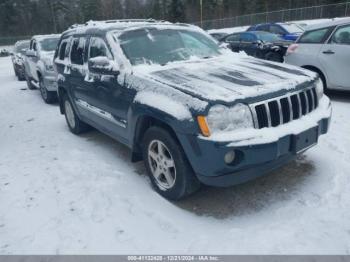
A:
[194,113]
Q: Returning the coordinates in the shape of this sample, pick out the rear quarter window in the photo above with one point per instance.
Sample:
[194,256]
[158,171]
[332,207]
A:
[318,36]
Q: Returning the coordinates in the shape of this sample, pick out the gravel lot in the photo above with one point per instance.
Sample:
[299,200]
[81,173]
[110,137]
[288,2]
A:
[66,194]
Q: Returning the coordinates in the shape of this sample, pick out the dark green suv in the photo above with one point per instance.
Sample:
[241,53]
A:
[192,111]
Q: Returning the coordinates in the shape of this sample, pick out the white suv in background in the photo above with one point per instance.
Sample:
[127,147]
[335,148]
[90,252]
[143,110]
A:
[325,49]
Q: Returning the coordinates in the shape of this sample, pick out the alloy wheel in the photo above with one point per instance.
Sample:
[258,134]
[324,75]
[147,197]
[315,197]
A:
[162,165]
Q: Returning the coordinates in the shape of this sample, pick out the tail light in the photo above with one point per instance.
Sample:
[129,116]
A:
[292,49]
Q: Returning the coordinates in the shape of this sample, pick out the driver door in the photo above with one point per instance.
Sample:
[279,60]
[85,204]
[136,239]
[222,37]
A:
[248,43]
[234,43]
[109,99]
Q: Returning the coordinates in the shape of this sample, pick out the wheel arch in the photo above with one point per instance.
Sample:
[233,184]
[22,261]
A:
[319,71]
[143,123]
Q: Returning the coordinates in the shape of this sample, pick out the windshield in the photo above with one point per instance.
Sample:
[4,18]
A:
[293,28]
[266,37]
[147,46]
[21,47]
[49,44]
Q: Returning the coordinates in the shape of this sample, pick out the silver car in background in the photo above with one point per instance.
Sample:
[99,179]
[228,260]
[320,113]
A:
[325,49]
[17,57]
[39,70]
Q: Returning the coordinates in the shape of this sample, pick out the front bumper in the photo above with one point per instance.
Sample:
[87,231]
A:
[50,82]
[256,154]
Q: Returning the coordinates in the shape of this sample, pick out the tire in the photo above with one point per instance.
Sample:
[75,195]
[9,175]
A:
[169,170]
[49,97]
[20,77]
[29,83]
[16,73]
[274,57]
[76,126]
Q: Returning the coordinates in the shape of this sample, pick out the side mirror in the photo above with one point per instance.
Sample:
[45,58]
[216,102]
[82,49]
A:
[31,53]
[103,65]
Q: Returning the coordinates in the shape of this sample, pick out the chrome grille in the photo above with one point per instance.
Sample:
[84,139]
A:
[284,109]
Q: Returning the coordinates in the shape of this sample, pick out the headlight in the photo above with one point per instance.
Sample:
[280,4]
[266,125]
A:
[319,89]
[19,61]
[224,119]
[49,67]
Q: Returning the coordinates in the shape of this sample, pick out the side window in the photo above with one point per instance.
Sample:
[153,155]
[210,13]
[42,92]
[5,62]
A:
[62,50]
[315,37]
[265,28]
[342,35]
[233,38]
[77,52]
[35,48]
[98,47]
[275,29]
[249,38]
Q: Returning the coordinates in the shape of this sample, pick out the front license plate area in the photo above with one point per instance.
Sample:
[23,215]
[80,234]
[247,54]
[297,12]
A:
[305,140]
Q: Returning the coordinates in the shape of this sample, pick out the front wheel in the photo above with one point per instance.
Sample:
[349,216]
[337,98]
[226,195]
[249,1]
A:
[29,82]
[76,126]
[167,166]
[49,97]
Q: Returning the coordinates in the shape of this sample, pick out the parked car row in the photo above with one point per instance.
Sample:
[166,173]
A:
[194,112]
[268,41]
[323,48]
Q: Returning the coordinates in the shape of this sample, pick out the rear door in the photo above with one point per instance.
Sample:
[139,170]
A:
[335,58]
[309,46]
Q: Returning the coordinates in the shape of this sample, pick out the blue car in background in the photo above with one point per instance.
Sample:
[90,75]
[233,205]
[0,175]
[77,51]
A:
[287,31]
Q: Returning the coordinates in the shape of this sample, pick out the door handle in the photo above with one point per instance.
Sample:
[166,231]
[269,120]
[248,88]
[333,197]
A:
[329,52]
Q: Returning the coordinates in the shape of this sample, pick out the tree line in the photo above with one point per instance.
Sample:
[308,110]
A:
[29,17]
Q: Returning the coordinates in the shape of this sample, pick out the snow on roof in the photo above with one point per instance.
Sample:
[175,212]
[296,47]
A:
[124,24]
[332,22]
[43,37]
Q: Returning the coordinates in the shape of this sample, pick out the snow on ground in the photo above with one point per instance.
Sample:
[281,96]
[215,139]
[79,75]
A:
[66,194]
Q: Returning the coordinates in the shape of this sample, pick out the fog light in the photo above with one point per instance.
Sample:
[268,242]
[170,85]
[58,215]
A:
[230,157]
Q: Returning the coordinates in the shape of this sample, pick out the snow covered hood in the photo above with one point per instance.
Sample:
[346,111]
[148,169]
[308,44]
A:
[227,78]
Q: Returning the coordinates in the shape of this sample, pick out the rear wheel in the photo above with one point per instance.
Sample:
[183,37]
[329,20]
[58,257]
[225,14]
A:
[76,126]
[167,166]
[48,96]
